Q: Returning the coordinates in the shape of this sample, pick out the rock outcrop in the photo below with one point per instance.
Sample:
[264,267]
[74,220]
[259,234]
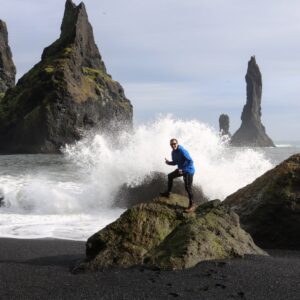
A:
[149,188]
[67,92]
[160,234]
[252,133]
[224,125]
[7,67]
[269,208]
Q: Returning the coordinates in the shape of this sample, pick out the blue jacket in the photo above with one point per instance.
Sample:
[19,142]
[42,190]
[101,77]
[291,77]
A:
[182,158]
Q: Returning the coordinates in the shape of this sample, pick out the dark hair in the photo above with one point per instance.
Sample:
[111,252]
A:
[173,140]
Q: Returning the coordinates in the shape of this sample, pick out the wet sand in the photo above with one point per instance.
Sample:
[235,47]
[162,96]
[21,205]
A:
[40,269]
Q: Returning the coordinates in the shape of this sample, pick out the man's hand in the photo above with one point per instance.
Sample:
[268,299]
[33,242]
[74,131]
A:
[179,171]
[167,161]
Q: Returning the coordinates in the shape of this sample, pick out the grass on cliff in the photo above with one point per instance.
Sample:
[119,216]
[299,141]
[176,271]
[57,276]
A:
[49,69]
[94,73]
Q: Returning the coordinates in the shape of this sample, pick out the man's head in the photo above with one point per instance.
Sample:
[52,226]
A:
[174,144]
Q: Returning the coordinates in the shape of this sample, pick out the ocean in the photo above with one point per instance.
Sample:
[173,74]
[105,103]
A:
[70,196]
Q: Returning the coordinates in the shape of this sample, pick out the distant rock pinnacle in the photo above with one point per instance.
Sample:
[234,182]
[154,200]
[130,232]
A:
[224,125]
[7,67]
[252,132]
[65,94]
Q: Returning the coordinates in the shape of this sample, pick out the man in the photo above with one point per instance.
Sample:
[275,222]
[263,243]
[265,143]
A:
[182,159]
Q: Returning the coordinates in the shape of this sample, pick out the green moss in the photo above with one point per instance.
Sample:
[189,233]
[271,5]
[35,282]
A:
[1,96]
[146,223]
[49,69]
[125,105]
[281,190]
[67,51]
[183,247]
[95,73]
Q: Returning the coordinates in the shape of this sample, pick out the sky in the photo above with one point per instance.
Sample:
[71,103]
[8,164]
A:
[182,57]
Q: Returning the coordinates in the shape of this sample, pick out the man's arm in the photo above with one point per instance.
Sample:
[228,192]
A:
[170,163]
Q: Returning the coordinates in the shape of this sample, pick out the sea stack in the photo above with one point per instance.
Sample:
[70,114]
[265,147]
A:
[7,67]
[66,93]
[224,125]
[252,132]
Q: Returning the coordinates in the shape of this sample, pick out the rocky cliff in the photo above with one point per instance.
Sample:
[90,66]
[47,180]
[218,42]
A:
[252,132]
[7,67]
[269,208]
[159,234]
[67,92]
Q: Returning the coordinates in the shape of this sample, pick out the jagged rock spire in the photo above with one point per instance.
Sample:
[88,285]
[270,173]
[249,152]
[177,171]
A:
[77,34]
[7,67]
[252,132]
[252,109]
[224,125]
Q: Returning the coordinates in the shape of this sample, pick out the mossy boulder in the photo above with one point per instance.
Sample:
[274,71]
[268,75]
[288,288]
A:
[68,92]
[161,234]
[269,208]
[149,187]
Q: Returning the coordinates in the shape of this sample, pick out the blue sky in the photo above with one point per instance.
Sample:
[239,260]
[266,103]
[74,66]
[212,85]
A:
[188,58]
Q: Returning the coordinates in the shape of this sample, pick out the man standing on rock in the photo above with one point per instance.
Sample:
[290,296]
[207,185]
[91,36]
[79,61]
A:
[183,160]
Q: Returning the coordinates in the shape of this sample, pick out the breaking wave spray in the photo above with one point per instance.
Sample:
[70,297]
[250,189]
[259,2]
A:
[220,170]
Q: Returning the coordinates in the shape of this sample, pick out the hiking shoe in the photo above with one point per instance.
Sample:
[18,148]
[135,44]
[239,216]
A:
[190,208]
[165,194]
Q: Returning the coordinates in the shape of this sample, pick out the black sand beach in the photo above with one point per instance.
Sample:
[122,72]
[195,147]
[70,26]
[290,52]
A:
[40,269]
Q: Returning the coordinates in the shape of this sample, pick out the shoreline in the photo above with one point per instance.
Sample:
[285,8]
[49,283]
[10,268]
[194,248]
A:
[40,269]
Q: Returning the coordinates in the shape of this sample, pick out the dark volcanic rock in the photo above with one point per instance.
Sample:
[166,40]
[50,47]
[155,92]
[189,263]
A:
[67,92]
[159,234]
[150,187]
[7,67]
[1,198]
[269,208]
[224,125]
[252,132]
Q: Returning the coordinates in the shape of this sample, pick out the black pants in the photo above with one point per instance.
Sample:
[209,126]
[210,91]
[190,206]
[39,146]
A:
[188,182]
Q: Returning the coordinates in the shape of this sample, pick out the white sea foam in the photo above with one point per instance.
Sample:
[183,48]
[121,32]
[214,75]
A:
[284,145]
[74,226]
[72,198]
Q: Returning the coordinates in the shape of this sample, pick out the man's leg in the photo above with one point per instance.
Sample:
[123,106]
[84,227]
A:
[188,184]
[171,177]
